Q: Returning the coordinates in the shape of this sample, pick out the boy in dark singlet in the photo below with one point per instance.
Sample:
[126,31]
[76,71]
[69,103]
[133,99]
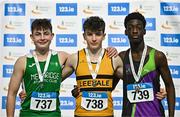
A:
[143,66]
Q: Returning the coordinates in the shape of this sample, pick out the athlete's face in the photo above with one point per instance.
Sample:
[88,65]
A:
[42,38]
[135,31]
[94,39]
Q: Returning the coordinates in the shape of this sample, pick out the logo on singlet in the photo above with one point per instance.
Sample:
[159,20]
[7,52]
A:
[32,65]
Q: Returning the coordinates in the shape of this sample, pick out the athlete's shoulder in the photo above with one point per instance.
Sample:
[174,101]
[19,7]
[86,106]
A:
[160,58]
[63,54]
[20,63]
[122,54]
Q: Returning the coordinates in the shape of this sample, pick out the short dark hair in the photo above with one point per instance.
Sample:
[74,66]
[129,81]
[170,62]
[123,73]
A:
[94,23]
[134,15]
[41,24]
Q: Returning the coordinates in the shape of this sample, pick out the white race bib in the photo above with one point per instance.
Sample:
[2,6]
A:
[94,100]
[140,92]
[43,101]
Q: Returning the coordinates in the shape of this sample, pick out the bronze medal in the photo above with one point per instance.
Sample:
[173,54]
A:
[137,88]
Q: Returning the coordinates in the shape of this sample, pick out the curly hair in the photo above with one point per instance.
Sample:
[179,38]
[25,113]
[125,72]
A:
[134,15]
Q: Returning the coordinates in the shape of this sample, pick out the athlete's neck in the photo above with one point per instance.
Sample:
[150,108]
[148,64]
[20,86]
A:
[94,52]
[137,48]
[42,54]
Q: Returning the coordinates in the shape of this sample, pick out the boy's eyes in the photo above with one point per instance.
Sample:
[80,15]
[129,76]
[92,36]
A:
[96,33]
[45,33]
[138,27]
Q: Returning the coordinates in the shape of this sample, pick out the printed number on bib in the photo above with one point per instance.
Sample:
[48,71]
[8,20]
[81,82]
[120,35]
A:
[94,100]
[43,101]
[141,92]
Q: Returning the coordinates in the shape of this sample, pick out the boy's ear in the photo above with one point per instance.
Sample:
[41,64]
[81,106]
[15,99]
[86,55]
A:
[31,36]
[125,32]
[84,36]
[104,36]
[144,31]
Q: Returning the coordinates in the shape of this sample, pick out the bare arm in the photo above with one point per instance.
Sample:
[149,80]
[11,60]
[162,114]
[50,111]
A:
[118,67]
[63,56]
[70,66]
[161,62]
[14,84]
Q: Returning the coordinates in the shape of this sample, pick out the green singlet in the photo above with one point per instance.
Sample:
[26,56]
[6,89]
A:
[42,97]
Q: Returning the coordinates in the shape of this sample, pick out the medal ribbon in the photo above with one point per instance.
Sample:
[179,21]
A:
[94,73]
[41,75]
[137,76]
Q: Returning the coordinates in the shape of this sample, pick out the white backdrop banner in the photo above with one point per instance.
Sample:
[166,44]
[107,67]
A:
[67,17]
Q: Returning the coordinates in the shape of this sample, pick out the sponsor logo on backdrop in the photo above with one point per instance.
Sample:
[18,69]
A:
[175,71]
[169,8]
[117,40]
[9,57]
[172,55]
[66,40]
[67,103]
[12,55]
[144,8]
[15,9]
[150,24]
[17,105]
[170,40]
[116,24]
[170,24]
[39,10]
[140,9]
[62,26]
[65,25]
[36,10]
[14,39]
[118,103]
[118,8]
[66,9]
[12,24]
[88,10]
[166,25]
[7,71]
[91,9]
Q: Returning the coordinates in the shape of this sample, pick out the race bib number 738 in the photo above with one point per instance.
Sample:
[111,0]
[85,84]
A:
[94,100]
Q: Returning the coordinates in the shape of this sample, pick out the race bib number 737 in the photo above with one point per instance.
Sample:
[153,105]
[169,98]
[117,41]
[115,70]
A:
[43,101]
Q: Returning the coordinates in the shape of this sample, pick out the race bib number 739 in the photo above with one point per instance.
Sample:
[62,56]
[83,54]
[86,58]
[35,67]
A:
[140,92]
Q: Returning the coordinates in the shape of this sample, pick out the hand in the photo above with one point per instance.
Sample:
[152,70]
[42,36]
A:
[22,95]
[162,94]
[75,92]
[112,52]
